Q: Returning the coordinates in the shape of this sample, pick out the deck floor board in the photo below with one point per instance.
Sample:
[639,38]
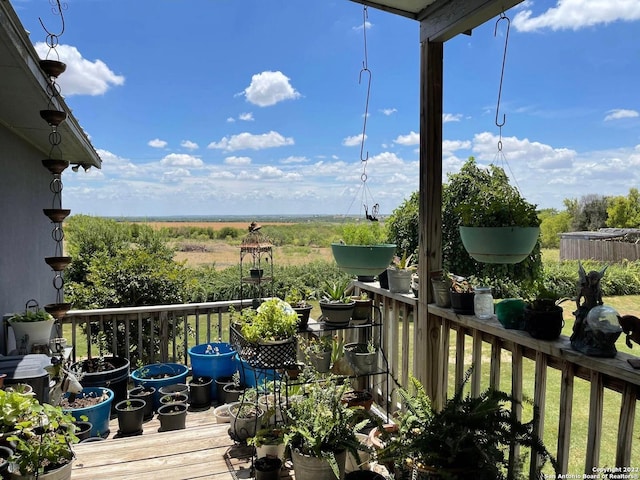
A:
[201,451]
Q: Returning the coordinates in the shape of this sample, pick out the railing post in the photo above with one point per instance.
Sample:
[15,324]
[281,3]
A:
[164,336]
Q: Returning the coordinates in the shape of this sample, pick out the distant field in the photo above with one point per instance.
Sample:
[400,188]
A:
[212,225]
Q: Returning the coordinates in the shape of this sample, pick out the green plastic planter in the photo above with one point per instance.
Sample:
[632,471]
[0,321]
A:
[499,244]
[364,261]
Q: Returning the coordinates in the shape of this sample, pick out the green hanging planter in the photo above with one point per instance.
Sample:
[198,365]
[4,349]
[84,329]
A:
[363,260]
[499,244]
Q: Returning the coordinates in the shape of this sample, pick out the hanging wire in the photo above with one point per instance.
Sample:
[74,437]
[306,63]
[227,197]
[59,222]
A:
[500,157]
[52,38]
[365,69]
[504,60]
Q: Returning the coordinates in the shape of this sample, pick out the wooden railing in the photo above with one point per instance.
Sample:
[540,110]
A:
[587,405]
[598,395]
[192,323]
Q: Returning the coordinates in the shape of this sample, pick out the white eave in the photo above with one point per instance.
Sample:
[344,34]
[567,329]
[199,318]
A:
[23,94]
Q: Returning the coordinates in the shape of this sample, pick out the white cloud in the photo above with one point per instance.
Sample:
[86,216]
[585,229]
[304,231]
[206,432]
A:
[82,76]
[268,88]
[353,141]
[247,117]
[157,143]
[294,160]
[577,14]
[246,140]
[412,138]
[189,145]
[176,175]
[237,160]
[450,146]
[181,159]
[388,111]
[619,113]
[230,119]
[368,25]
[451,117]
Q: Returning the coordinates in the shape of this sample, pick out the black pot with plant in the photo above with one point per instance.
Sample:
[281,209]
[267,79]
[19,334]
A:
[268,468]
[130,416]
[543,315]
[200,392]
[462,295]
[147,394]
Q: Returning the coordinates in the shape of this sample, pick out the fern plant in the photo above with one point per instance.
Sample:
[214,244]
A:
[469,438]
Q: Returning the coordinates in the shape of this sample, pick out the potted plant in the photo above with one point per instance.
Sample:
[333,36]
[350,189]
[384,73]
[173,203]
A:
[42,435]
[399,273]
[336,306]
[363,250]
[215,360]
[440,286]
[467,439]
[274,320]
[246,418]
[317,350]
[147,394]
[200,392]
[93,404]
[32,327]
[321,430]
[298,299]
[462,294]
[363,357]
[130,416]
[269,441]
[362,309]
[233,389]
[104,371]
[268,468]
[158,375]
[500,226]
[173,416]
[543,315]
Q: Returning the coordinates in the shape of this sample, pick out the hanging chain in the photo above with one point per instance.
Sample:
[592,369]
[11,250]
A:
[373,215]
[504,59]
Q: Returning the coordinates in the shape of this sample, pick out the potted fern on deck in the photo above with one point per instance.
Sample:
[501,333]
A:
[468,439]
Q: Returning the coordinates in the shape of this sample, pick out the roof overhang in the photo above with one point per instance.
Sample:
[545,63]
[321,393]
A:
[23,95]
[441,20]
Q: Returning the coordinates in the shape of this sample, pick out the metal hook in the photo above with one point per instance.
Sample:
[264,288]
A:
[504,59]
[56,8]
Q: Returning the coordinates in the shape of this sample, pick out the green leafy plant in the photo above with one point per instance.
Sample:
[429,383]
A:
[364,233]
[315,344]
[42,433]
[469,434]
[336,292]
[31,316]
[403,262]
[273,320]
[460,284]
[268,436]
[321,424]
[299,297]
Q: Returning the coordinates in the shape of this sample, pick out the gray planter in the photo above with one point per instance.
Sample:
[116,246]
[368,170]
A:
[361,360]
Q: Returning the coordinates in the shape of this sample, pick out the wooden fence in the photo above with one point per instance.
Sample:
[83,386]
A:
[602,250]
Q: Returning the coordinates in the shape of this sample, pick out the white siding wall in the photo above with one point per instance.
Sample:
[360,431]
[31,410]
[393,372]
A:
[25,232]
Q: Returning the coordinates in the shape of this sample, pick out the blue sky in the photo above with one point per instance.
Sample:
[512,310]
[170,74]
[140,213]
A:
[254,107]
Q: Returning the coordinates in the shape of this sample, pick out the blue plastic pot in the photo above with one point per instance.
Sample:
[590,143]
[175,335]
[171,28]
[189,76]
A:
[160,375]
[213,360]
[256,377]
[98,414]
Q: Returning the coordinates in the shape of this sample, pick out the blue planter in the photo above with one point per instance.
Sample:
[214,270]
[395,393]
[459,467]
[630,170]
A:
[256,377]
[220,363]
[158,375]
[98,414]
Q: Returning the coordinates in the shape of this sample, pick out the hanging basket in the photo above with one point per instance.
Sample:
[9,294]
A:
[499,244]
[363,260]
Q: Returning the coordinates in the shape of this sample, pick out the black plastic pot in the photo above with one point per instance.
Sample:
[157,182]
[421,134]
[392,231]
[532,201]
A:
[147,394]
[172,416]
[462,303]
[200,392]
[5,453]
[83,429]
[130,416]
[268,468]
[544,324]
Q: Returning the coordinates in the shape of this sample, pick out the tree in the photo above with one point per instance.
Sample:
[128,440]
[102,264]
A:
[624,212]
[590,213]
[553,223]
[403,225]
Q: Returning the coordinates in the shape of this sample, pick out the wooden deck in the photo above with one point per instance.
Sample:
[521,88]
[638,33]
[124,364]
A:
[203,450]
